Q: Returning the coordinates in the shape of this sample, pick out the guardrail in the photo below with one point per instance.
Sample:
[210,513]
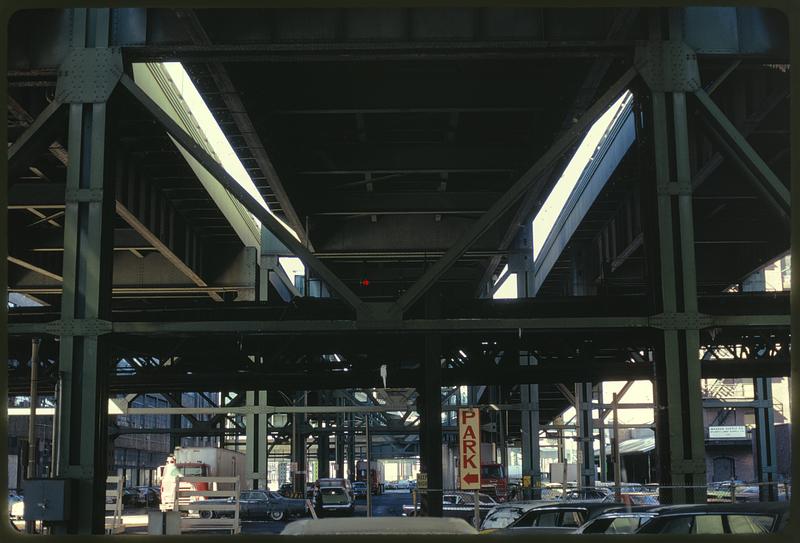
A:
[214,516]
[116,525]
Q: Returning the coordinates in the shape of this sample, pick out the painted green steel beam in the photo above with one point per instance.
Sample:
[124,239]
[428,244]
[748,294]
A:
[35,137]
[517,190]
[250,203]
[88,252]
[728,150]
[745,152]
[416,325]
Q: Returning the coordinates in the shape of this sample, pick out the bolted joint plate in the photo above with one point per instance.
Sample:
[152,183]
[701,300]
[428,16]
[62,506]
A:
[680,321]
[667,66]
[79,327]
[89,75]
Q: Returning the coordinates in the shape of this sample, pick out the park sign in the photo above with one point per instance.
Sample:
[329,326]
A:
[469,457]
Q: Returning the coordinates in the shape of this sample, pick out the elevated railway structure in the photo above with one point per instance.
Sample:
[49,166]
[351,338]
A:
[402,155]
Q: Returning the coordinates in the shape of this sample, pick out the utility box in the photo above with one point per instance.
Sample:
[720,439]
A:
[47,499]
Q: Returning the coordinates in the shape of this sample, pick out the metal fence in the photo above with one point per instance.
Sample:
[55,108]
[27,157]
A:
[115,485]
[198,514]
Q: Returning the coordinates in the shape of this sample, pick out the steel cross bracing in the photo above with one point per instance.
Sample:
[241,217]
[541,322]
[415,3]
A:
[210,288]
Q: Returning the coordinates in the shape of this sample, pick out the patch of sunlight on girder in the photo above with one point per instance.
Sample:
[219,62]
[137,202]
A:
[200,124]
[546,217]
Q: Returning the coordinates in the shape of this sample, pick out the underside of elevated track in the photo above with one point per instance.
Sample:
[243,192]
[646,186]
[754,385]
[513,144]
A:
[404,156]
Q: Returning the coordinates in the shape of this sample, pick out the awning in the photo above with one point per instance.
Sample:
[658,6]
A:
[635,446]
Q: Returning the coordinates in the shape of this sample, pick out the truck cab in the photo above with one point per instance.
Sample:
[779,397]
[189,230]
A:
[494,481]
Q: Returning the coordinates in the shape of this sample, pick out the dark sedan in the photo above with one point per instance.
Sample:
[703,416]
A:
[260,504]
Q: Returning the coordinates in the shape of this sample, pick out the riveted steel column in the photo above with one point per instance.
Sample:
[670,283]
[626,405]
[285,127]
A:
[256,435]
[522,263]
[429,407]
[680,435]
[765,447]
[83,353]
[585,431]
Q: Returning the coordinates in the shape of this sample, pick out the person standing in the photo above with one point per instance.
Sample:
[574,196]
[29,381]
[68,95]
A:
[169,484]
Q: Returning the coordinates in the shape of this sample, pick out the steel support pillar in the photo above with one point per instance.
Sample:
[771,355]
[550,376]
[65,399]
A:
[323,455]
[521,262]
[679,416]
[585,437]
[529,414]
[85,303]
[429,400]
[765,447]
[299,451]
[256,455]
[340,445]
[175,437]
[351,448]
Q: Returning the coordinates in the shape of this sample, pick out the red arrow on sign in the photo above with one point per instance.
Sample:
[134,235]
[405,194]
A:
[471,478]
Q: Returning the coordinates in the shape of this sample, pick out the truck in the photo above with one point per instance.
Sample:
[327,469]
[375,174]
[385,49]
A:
[494,479]
[376,475]
[202,462]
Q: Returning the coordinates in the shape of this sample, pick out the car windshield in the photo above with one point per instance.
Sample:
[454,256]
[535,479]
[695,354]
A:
[275,496]
[495,471]
[191,471]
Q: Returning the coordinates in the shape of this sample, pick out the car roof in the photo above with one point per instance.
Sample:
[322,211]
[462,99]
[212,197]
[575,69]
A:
[634,512]
[525,505]
[755,508]
[380,526]
[589,505]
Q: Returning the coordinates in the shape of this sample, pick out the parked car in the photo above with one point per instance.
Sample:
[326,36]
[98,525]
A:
[587,494]
[617,522]
[638,498]
[733,518]
[558,517]
[505,514]
[131,497]
[378,526]
[149,496]
[285,489]
[259,504]
[336,483]
[359,489]
[459,504]
[335,500]
[390,485]
[720,491]
[16,506]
